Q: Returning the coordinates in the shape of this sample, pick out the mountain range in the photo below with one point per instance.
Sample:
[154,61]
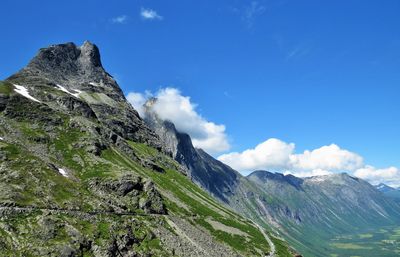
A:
[82,174]
[307,212]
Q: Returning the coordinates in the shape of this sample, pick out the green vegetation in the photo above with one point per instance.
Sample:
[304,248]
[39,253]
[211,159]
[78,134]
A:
[67,148]
[380,242]
[199,202]
[5,88]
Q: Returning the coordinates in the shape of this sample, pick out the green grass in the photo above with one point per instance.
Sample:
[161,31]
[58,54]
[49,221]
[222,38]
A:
[5,88]
[349,246]
[374,242]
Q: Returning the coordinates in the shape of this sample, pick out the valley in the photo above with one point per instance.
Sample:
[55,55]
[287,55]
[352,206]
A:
[383,242]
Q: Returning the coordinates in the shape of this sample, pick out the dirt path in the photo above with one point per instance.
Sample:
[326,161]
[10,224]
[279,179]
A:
[272,252]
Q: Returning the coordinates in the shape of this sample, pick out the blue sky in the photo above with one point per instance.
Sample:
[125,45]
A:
[310,72]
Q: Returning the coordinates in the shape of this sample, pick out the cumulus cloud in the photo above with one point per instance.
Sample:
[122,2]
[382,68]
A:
[271,154]
[276,155]
[330,157]
[173,106]
[390,176]
[120,19]
[149,14]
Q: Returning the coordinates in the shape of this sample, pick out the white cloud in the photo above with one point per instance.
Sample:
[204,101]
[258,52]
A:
[120,19]
[173,106]
[329,157]
[390,176]
[277,155]
[271,154]
[149,14]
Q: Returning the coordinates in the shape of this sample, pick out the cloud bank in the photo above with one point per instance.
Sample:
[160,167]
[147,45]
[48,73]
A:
[173,106]
[390,176]
[276,155]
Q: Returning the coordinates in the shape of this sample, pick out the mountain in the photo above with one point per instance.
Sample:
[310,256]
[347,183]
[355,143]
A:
[81,174]
[307,212]
[385,188]
[390,192]
[310,211]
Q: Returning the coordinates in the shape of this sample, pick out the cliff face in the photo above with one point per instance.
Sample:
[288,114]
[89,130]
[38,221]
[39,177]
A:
[217,178]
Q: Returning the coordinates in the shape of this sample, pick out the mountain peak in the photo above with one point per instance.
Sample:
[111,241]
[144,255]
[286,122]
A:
[68,63]
[90,54]
[384,188]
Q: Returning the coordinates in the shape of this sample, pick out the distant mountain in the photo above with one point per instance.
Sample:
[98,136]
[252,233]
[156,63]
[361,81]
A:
[81,174]
[385,188]
[390,192]
[311,210]
[308,212]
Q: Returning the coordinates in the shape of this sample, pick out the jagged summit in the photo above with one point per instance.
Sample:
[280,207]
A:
[69,65]
[68,57]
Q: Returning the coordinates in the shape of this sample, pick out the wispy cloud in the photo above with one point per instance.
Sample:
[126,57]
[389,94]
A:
[122,19]
[298,51]
[149,14]
[251,12]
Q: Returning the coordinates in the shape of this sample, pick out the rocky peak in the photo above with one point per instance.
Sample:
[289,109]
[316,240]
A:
[90,55]
[71,66]
[67,57]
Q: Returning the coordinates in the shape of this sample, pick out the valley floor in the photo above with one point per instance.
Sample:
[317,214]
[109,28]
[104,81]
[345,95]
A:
[383,242]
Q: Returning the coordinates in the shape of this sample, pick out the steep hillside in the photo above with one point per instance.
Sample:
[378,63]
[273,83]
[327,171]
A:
[82,175]
[307,212]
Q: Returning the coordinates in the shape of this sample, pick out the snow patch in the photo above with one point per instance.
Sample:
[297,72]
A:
[68,92]
[63,172]
[1,139]
[94,84]
[380,186]
[24,92]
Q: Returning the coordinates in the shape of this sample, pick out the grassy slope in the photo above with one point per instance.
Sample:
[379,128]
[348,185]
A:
[200,203]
